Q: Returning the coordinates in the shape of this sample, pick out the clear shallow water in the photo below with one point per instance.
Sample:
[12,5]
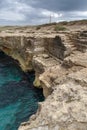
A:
[18,98]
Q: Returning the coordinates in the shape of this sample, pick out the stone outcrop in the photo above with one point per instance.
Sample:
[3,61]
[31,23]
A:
[60,63]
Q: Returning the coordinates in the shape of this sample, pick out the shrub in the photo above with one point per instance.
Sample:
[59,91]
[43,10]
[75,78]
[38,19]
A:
[59,28]
[38,27]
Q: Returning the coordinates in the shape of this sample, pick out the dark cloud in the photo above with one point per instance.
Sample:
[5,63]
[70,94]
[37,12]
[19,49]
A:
[59,5]
[39,11]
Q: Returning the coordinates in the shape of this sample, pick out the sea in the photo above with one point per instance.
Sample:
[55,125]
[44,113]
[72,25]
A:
[18,97]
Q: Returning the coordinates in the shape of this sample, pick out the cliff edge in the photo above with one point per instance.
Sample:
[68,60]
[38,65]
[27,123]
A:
[59,57]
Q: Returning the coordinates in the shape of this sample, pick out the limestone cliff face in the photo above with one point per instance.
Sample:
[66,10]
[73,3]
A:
[15,46]
[21,48]
[60,64]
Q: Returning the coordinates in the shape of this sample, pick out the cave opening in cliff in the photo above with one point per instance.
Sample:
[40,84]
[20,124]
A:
[18,97]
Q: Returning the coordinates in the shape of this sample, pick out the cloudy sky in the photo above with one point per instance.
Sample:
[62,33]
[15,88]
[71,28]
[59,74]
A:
[22,12]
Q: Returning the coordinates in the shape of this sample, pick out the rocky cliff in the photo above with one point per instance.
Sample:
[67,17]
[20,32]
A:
[59,59]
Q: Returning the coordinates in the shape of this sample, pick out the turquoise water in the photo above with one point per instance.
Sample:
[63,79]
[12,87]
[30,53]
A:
[18,98]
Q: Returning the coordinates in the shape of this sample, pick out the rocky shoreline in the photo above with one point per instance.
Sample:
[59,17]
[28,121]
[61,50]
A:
[59,60]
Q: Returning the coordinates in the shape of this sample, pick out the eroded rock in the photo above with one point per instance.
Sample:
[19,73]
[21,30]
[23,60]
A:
[60,63]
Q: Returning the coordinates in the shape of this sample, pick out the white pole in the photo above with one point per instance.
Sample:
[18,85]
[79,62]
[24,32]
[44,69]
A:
[50,18]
